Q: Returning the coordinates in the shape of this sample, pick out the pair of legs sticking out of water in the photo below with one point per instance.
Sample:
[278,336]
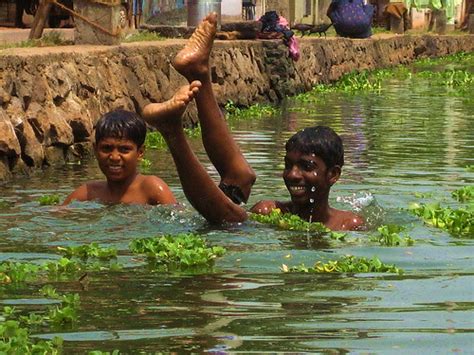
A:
[236,175]
[309,172]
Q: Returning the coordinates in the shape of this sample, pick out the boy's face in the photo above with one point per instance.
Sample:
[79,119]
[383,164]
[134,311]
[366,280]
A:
[118,158]
[307,178]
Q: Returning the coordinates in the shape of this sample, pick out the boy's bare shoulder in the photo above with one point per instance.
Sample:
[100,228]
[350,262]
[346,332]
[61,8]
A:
[86,192]
[157,191]
[348,220]
[266,206]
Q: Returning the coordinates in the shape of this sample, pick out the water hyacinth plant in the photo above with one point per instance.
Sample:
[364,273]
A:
[154,140]
[464,194]
[48,200]
[392,235]
[15,339]
[346,264]
[372,80]
[457,222]
[254,111]
[293,222]
[92,250]
[182,249]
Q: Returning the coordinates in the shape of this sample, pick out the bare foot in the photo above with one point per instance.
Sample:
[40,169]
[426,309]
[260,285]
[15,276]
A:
[193,60]
[163,115]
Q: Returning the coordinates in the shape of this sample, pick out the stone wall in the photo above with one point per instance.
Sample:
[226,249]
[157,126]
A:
[51,97]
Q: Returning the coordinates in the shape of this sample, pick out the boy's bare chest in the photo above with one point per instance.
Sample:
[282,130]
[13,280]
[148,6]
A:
[132,194]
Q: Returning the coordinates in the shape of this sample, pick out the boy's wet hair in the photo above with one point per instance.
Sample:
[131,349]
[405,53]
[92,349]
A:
[121,124]
[321,141]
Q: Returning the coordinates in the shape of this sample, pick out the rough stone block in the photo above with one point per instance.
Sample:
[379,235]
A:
[106,16]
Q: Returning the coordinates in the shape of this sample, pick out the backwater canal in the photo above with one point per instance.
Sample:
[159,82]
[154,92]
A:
[410,141]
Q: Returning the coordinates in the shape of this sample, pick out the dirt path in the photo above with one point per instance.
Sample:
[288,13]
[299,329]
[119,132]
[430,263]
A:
[12,35]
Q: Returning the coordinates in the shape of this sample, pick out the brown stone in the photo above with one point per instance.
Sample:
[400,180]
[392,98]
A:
[106,16]
[55,154]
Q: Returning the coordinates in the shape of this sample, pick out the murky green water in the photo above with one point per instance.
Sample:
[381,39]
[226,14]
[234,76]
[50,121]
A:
[410,139]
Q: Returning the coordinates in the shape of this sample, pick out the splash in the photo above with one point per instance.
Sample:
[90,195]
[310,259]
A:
[365,204]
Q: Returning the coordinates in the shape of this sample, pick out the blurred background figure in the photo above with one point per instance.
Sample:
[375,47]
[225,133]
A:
[248,9]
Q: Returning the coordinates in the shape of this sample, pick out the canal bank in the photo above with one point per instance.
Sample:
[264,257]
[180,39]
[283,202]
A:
[52,96]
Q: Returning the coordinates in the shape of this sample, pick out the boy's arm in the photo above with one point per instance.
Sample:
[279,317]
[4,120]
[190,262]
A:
[79,194]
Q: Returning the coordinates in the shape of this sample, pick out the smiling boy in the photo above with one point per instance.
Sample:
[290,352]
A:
[118,147]
[313,163]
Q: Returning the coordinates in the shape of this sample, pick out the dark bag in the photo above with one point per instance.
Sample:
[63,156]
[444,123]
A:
[351,18]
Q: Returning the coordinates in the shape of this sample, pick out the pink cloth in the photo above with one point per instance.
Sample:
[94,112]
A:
[292,43]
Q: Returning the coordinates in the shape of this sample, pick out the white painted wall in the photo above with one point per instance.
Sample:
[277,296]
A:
[231,7]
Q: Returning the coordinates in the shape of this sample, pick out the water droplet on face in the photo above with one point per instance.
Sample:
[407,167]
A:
[313,155]
[313,189]
[311,200]
[315,173]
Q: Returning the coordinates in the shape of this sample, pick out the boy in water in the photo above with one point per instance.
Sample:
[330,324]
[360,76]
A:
[118,147]
[312,164]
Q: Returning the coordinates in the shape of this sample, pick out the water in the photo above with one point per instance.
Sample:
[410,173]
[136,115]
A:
[410,140]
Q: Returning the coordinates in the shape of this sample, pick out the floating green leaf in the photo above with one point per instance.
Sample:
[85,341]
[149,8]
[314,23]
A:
[47,200]
[458,222]
[290,221]
[391,235]
[348,263]
[464,194]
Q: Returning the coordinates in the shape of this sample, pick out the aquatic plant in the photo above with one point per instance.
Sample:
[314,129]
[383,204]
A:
[254,111]
[143,36]
[13,272]
[63,266]
[48,200]
[293,222]
[457,222]
[182,249]
[145,164]
[348,264]
[448,77]
[464,194]
[372,80]
[390,235]
[15,339]
[92,250]
[16,329]
[5,204]
[470,168]
[154,140]
[460,58]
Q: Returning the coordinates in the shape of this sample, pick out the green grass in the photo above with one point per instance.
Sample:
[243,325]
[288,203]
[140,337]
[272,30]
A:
[50,39]
[143,36]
